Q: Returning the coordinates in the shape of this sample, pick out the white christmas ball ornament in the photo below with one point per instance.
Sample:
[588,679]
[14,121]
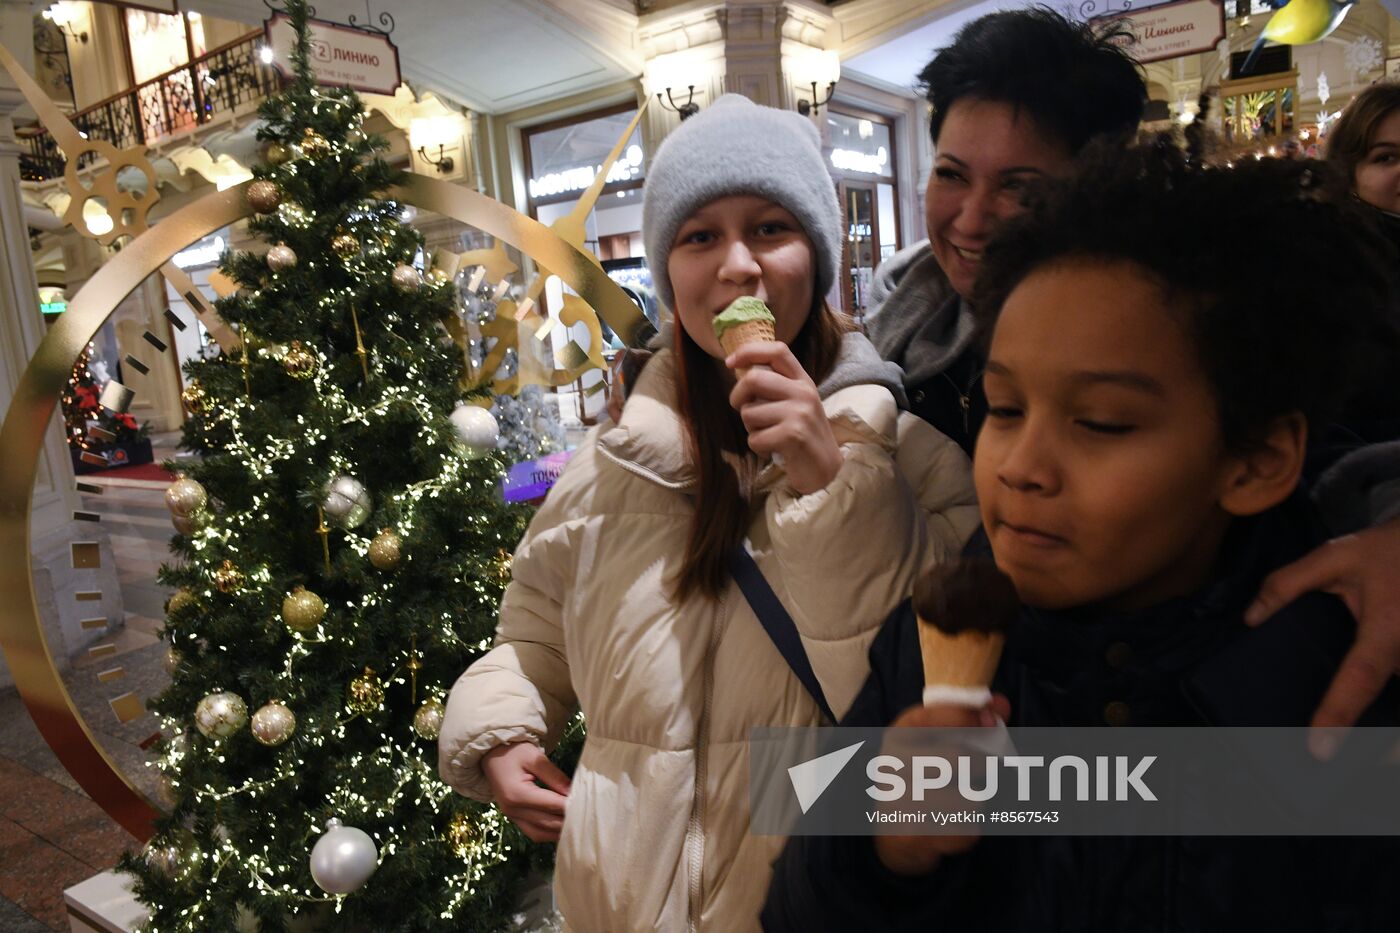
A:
[220,715]
[343,858]
[346,502]
[477,431]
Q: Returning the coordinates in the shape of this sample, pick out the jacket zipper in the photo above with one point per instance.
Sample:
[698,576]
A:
[695,832]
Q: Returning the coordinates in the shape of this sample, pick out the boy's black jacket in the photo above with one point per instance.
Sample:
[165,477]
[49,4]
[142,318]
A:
[1189,662]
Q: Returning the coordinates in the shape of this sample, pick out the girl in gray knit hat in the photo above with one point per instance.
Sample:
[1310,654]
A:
[801,478]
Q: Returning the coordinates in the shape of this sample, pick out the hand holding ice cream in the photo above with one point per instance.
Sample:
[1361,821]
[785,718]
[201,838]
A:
[776,398]
[965,610]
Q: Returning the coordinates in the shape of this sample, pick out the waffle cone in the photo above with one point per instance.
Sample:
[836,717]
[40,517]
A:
[966,659]
[748,332]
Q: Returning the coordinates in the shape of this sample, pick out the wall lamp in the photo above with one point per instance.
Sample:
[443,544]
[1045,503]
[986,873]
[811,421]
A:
[440,132]
[687,109]
[816,68]
[443,163]
[62,15]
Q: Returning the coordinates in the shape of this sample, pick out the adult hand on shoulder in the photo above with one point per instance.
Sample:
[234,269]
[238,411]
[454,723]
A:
[919,855]
[1360,569]
[783,414]
[512,771]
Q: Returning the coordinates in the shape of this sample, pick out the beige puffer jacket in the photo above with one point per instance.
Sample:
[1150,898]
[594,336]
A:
[656,829]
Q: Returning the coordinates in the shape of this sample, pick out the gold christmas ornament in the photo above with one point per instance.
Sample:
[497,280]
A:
[274,723]
[314,145]
[172,659]
[180,600]
[185,496]
[345,246]
[195,399]
[264,196]
[366,694]
[299,362]
[228,577]
[303,610]
[384,550]
[463,835]
[406,278]
[281,258]
[278,154]
[502,566]
[438,277]
[220,715]
[189,524]
[427,722]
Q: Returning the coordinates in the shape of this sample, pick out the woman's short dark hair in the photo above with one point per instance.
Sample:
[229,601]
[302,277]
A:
[1355,131]
[1075,80]
[1274,271]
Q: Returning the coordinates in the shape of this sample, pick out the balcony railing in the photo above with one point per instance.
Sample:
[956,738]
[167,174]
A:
[181,99]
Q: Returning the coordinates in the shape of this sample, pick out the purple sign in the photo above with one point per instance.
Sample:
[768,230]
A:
[532,479]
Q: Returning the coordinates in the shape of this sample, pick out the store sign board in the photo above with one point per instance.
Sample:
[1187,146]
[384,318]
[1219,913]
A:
[1171,30]
[340,55]
[529,481]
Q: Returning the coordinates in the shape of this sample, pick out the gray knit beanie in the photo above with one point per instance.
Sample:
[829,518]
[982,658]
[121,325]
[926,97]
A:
[734,146]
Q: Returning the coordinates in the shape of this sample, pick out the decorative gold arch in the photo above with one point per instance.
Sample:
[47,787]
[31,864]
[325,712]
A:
[36,396]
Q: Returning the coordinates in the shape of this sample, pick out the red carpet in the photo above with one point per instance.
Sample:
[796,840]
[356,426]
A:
[147,471]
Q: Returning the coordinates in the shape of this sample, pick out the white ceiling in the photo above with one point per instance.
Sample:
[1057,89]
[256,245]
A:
[898,62]
[489,55]
[501,55]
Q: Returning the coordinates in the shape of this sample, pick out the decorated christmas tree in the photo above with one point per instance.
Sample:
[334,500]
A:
[97,436]
[342,551]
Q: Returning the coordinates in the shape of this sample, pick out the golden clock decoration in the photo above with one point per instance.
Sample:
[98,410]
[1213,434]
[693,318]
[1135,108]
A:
[149,251]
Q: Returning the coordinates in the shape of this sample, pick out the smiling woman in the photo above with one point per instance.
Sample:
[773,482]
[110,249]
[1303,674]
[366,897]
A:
[1365,145]
[995,128]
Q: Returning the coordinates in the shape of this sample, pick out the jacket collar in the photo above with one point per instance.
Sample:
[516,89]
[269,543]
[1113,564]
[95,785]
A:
[1232,675]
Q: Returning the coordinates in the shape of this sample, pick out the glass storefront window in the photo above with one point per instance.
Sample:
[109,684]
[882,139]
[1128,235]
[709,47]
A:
[858,146]
[562,160]
[860,156]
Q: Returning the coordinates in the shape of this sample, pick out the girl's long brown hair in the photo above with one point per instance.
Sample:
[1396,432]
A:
[719,446]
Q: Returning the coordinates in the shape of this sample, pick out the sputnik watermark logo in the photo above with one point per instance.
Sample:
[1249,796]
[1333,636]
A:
[1118,778]
[811,778]
[1167,781]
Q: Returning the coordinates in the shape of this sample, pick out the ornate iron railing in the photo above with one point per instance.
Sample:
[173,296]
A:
[179,100]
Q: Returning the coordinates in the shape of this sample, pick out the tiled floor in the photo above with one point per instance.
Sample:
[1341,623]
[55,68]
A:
[51,834]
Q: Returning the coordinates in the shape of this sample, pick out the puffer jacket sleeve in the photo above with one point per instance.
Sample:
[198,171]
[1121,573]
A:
[520,690]
[849,553]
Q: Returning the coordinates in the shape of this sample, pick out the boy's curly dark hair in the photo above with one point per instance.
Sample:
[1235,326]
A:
[1074,80]
[1282,283]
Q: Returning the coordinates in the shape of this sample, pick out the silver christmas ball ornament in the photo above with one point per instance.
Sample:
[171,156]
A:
[220,715]
[343,858]
[477,431]
[163,860]
[274,723]
[406,278]
[281,258]
[346,502]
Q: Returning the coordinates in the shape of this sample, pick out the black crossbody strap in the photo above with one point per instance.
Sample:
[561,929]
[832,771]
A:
[777,623]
